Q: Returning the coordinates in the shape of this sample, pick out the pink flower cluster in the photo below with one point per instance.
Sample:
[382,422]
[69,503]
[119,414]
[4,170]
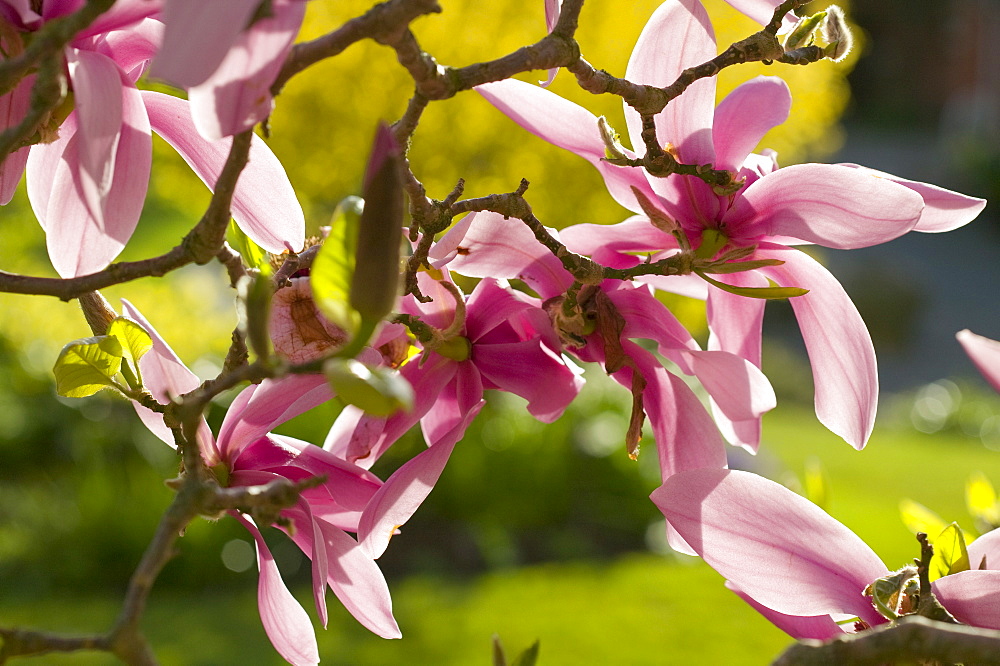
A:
[788,559]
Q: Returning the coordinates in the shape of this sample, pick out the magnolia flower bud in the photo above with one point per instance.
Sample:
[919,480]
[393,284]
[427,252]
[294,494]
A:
[802,33]
[375,284]
[613,148]
[97,311]
[837,35]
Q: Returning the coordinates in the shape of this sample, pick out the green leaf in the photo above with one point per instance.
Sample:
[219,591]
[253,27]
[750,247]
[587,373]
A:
[529,657]
[86,366]
[333,268]
[253,255]
[135,342]
[378,391]
[918,518]
[774,292]
[950,553]
[981,499]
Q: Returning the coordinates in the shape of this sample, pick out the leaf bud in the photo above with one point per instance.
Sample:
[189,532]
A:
[837,34]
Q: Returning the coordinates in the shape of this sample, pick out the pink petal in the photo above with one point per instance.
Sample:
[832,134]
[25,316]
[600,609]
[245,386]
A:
[405,491]
[985,353]
[817,627]
[779,548]
[552,8]
[165,376]
[745,116]
[355,579]
[677,35]
[133,48]
[533,371]
[837,341]
[462,396]
[988,547]
[826,204]
[320,564]
[760,11]
[197,37]
[489,306]
[77,242]
[646,317]
[348,485]
[487,245]
[97,85]
[439,312]
[735,322]
[261,407]
[20,12]
[615,245]
[123,13]
[944,210]
[354,435]
[739,388]
[286,623]
[237,95]
[567,125]
[973,597]
[686,437]
[264,206]
[13,107]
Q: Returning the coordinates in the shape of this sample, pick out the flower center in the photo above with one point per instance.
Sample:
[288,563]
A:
[712,240]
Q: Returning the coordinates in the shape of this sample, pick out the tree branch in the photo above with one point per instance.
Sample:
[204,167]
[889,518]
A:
[911,638]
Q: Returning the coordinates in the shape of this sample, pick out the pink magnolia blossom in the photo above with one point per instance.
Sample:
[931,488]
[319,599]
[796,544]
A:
[504,343]
[246,453]
[985,353]
[837,206]
[88,186]
[686,438]
[226,62]
[798,566]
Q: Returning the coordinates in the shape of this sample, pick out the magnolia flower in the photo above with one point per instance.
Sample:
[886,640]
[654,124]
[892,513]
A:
[246,453]
[836,206]
[493,341]
[798,566]
[985,353]
[87,187]
[484,244]
[227,58]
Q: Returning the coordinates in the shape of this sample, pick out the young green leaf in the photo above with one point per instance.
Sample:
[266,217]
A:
[950,553]
[333,268]
[86,366]
[378,391]
[135,342]
[774,292]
